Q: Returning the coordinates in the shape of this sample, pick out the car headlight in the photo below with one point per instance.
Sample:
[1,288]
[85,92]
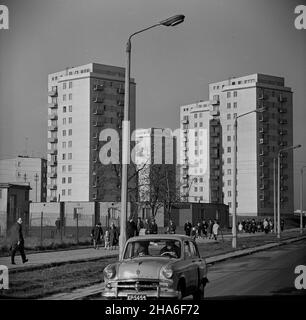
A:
[166,272]
[109,272]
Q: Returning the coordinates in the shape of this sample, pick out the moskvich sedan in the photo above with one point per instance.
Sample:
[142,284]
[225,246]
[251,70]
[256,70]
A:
[157,267]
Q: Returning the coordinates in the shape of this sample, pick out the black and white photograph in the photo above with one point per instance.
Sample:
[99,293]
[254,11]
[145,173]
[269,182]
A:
[153,151]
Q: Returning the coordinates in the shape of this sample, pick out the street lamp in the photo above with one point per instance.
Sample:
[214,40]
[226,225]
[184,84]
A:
[170,22]
[278,184]
[234,202]
[301,200]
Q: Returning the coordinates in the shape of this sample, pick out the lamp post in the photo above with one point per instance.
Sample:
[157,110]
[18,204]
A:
[234,201]
[170,22]
[274,195]
[301,200]
[278,184]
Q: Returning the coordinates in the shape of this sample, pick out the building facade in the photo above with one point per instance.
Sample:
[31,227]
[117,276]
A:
[201,179]
[29,170]
[260,136]
[84,101]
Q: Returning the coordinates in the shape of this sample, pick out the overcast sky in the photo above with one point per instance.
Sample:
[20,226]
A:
[171,66]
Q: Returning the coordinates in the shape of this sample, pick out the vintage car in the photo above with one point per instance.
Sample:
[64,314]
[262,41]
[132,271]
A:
[157,267]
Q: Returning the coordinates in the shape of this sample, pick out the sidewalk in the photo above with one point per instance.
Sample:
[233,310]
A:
[54,258]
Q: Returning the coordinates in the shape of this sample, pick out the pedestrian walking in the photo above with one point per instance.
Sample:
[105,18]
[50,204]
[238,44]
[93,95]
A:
[215,229]
[17,241]
[107,240]
[139,226]
[193,233]
[204,228]
[282,224]
[199,230]
[171,228]
[210,229]
[130,228]
[187,228]
[266,226]
[240,227]
[113,236]
[153,229]
[97,235]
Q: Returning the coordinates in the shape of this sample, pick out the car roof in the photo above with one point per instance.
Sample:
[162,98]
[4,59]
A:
[179,237]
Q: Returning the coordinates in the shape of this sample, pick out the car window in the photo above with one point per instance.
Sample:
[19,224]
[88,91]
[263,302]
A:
[193,250]
[187,251]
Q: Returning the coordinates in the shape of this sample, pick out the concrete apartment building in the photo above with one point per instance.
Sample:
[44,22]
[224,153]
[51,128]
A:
[201,179]
[83,101]
[28,170]
[155,156]
[260,136]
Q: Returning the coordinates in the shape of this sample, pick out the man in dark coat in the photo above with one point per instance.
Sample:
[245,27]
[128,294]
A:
[130,228]
[17,242]
[139,226]
[113,236]
[97,235]
[147,226]
[153,229]
[187,228]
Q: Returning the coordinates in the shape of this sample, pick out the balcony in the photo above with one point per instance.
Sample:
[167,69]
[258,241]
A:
[185,166]
[53,199]
[283,143]
[215,101]
[284,188]
[120,90]
[283,155]
[214,122]
[52,140]
[281,98]
[263,97]
[95,147]
[52,116]
[282,110]
[215,155]
[52,163]
[215,113]
[52,93]
[52,128]
[53,105]
[284,177]
[282,121]
[53,152]
[98,100]
[263,164]
[263,118]
[185,121]
[98,112]
[98,87]
[185,176]
[283,165]
[215,144]
[52,175]
[263,152]
[215,133]
[97,124]
[214,187]
[264,186]
[263,141]
[284,199]
[52,186]
[120,103]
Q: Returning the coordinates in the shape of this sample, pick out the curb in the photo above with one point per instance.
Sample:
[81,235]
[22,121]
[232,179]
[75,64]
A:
[96,289]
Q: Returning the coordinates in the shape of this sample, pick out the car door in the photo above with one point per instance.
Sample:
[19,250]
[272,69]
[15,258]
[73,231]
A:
[196,259]
[191,269]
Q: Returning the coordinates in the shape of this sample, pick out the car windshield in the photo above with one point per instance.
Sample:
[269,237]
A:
[153,248]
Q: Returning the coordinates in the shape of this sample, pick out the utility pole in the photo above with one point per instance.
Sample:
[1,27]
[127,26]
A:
[274,191]
[36,180]
[301,200]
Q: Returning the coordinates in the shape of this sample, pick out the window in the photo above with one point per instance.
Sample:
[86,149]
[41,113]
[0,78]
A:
[229,171]
[64,156]
[63,168]
[235,115]
[196,152]
[229,160]
[196,133]
[235,105]
[63,145]
[229,193]
[64,97]
[69,156]
[64,109]
[228,105]
[69,192]
[70,119]
[69,144]
[195,189]
[229,127]
[201,124]
[70,84]
[64,133]
[64,120]
[70,108]
[201,115]
[201,189]
[229,182]
[70,168]
[230,204]
[229,149]
[195,115]
[195,124]
[228,94]
[63,192]
[70,132]
[228,116]
[201,179]
[69,180]
[64,85]
[235,93]
[63,180]
[228,138]
[70,96]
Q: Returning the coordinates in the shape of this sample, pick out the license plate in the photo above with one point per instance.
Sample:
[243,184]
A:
[137,297]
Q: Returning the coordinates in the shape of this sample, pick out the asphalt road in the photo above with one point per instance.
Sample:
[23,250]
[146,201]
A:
[267,273]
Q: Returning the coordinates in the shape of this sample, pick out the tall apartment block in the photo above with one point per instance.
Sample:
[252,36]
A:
[83,101]
[27,170]
[201,179]
[259,138]
[156,162]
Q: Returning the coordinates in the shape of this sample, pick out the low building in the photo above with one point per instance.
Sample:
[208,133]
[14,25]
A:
[14,204]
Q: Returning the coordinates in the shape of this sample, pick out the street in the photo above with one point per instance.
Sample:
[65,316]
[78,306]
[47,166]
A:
[265,273]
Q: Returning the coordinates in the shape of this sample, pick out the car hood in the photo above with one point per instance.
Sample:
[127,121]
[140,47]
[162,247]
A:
[141,268]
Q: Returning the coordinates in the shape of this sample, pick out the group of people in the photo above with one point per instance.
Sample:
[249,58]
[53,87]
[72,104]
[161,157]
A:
[140,227]
[110,237]
[265,225]
[205,229]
